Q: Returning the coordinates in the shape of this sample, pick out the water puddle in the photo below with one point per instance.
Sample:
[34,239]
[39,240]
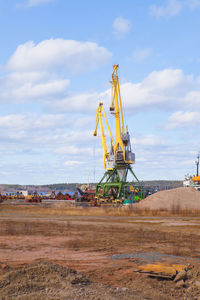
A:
[151,257]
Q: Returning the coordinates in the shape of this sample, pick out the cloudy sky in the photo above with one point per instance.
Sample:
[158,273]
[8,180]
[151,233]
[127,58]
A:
[56,61]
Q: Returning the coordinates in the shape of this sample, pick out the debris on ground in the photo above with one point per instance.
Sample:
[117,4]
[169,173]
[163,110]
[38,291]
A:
[190,281]
[186,279]
[162,270]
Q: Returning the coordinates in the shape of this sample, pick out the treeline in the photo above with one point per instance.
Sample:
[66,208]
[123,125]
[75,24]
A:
[160,184]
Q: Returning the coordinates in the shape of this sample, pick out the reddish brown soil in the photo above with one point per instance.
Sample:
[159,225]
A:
[90,245]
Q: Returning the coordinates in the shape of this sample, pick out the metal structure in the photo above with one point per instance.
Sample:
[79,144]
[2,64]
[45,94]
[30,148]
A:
[193,181]
[113,187]
[196,178]
[107,157]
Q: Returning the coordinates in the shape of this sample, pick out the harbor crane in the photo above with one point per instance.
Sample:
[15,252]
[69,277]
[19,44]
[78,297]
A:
[114,187]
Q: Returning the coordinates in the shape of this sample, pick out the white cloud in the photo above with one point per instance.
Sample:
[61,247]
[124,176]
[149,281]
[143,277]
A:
[21,77]
[81,103]
[147,140]
[73,163]
[51,88]
[69,55]
[192,98]
[84,122]
[121,27]
[81,136]
[77,151]
[172,8]
[32,121]
[68,149]
[156,159]
[183,119]
[192,4]
[141,54]
[25,86]
[47,135]
[32,3]
[35,72]
[161,89]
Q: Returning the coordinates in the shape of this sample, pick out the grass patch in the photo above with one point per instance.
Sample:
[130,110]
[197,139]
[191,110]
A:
[98,211]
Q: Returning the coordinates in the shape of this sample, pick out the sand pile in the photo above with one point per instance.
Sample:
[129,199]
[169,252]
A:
[175,199]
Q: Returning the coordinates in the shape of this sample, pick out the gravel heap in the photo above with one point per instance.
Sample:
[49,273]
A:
[176,199]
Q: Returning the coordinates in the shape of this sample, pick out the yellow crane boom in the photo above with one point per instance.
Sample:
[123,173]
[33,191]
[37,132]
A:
[116,109]
[98,120]
[122,146]
[116,94]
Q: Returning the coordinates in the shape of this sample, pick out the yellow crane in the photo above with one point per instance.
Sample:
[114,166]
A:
[117,162]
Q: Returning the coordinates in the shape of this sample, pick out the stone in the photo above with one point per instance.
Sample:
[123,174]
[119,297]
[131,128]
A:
[124,289]
[180,283]
[189,289]
[197,283]
[189,274]
[182,275]
[3,266]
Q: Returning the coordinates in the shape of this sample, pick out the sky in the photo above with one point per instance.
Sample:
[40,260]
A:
[56,61]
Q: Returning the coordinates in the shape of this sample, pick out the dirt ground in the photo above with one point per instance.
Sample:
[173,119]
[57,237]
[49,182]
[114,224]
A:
[46,256]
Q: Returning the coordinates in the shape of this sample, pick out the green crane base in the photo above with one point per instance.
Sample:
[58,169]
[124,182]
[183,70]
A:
[114,188]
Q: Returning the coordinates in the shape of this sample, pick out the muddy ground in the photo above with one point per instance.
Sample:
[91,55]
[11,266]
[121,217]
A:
[84,257]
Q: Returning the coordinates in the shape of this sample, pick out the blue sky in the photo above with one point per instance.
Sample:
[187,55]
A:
[56,61]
